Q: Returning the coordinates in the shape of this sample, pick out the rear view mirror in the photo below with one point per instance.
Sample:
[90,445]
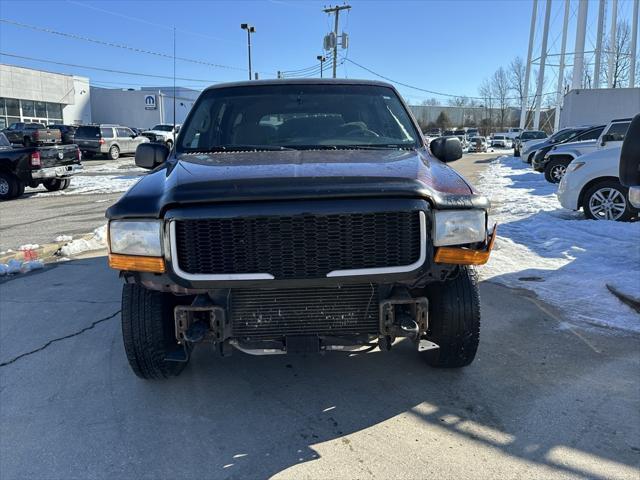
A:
[446,149]
[150,155]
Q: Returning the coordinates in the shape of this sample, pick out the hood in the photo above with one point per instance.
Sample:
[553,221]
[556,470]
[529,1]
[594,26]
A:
[534,144]
[571,145]
[296,175]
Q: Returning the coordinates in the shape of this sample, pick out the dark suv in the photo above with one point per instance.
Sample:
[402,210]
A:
[109,140]
[298,217]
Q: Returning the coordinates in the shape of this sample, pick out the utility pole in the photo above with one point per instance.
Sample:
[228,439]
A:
[322,59]
[556,122]
[634,42]
[543,61]
[578,51]
[613,42]
[527,72]
[596,68]
[336,10]
[250,29]
[174,82]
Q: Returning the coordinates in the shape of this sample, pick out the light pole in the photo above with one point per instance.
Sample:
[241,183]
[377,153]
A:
[250,29]
[322,59]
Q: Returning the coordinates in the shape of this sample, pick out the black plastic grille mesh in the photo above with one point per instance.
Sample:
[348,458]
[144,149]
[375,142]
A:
[298,247]
[306,311]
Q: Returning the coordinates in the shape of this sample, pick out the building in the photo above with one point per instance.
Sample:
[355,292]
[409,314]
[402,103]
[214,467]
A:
[141,108]
[28,95]
[598,106]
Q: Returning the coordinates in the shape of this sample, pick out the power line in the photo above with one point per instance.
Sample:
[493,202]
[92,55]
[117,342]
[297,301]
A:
[110,70]
[116,45]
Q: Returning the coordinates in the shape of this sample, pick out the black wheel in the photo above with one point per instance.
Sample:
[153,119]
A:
[148,332]
[114,152]
[10,186]
[554,170]
[56,184]
[607,200]
[454,320]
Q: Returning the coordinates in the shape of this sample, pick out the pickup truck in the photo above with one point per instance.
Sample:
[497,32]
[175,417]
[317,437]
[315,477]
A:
[299,216]
[555,162]
[162,133]
[31,166]
[29,134]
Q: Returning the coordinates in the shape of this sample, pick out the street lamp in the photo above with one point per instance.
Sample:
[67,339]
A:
[250,29]
[322,59]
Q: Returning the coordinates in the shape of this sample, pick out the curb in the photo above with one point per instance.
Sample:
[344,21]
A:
[624,298]
[46,253]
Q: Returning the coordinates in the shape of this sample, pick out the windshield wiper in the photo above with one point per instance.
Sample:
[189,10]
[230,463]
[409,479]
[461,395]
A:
[243,148]
[376,147]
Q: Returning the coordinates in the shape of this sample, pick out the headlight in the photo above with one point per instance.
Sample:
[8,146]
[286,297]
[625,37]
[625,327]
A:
[458,227]
[573,166]
[140,237]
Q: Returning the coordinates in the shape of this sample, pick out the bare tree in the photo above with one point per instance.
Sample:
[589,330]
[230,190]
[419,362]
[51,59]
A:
[500,90]
[487,98]
[431,102]
[458,101]
[516,72]
[621,48]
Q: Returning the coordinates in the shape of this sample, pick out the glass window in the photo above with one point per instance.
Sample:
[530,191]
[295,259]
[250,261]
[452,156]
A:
[87,132]
[28,108]
[590,135]
[618,131]
[54,110]
[124,132]
[13,108]
[2,110]
[106,132]
[11,120]
[3,123]
[41,109]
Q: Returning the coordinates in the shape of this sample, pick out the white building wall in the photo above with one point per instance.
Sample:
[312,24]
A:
[29,84]
[599,106]
[80,111]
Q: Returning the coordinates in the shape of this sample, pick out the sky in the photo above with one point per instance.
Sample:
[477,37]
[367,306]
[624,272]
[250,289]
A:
[444,46]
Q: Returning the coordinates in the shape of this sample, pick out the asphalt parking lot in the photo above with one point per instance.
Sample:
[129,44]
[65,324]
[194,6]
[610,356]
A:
[545,398]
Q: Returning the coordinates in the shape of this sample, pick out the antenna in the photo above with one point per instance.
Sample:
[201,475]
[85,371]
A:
[174,84]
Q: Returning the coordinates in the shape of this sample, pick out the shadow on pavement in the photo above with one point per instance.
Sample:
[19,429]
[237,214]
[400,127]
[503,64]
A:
[537,396]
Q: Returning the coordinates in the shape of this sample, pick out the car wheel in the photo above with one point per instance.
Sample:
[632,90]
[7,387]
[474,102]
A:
[9,186]
[454,320]
[114,152]
[56,184]
[148,332]
[607,200]
[555,170]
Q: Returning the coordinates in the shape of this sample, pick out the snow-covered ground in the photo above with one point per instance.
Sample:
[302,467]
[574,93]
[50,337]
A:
[566,259]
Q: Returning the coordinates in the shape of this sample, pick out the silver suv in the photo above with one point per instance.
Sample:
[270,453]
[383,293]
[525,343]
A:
[109,140]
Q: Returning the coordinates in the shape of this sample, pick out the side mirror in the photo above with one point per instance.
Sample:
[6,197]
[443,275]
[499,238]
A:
[150,155]
[630,155]
[606,138]
[446,149]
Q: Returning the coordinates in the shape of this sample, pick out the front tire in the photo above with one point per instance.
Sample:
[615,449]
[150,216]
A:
[148,332]
[607,200]
[454,320]
[114,152]
[554,170]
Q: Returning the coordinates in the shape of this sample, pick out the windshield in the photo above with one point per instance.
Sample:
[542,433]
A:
[299,117]
[163,128]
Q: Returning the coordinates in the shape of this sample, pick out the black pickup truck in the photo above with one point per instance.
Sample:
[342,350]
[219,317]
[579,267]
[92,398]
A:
[297,217]
[31,166]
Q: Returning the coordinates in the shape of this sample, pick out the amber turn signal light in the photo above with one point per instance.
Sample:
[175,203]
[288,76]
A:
[136,263]
[466,256]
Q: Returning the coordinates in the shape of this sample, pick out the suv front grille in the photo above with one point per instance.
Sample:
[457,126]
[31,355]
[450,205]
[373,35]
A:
[261,314]
[298,246]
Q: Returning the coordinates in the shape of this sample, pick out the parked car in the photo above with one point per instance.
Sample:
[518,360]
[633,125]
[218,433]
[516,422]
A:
[316,234]
[501,140]
[472,132]
[29,134]
[513,132]
[109,140]
[163,133]
[434,132]
[67,132]
[526,136]
[592,183]
[530,148]
[31,166]
[478,144]
[557,159]
[630,162]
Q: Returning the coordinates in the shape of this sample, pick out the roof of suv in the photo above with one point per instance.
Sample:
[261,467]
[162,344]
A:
[301,81]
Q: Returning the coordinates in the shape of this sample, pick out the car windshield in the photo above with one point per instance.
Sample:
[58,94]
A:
[298,116]
[563,135]
[163,128]
[3,141]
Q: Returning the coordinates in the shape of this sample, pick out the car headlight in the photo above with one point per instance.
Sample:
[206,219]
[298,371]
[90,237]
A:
[458,227]
[136,237]
[573,166]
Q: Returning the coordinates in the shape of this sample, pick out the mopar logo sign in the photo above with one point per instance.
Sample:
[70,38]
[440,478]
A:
[150,102]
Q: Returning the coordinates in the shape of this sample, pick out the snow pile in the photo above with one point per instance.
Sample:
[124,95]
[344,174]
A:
[97,241]
[64,238]
[18,266]
[115,166]
[566,259]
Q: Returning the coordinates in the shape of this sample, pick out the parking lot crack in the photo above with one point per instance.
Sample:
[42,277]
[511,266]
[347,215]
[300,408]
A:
[58,339]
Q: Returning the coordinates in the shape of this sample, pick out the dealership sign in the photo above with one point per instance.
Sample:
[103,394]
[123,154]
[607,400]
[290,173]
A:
[150,102]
